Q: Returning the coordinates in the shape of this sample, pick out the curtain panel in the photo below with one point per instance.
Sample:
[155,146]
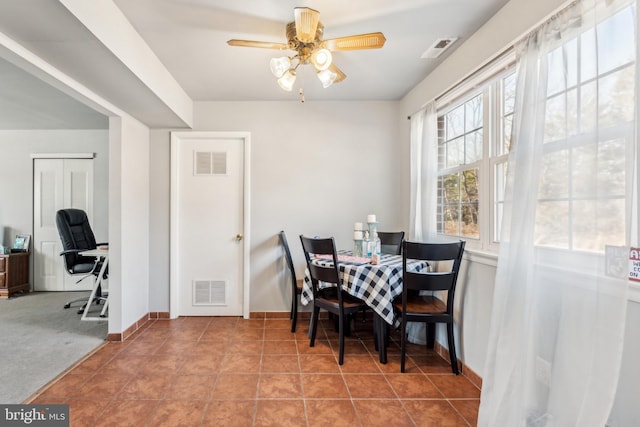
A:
[560,299]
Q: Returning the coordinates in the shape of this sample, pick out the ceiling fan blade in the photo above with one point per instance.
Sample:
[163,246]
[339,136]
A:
[361,41]
[253,43]
[306,23]
[338,71]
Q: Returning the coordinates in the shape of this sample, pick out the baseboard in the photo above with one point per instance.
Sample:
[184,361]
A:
[277,315]
[137,326]
[466,371]
[159,315]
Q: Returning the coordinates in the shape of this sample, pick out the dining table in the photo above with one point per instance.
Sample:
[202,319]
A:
[375,284]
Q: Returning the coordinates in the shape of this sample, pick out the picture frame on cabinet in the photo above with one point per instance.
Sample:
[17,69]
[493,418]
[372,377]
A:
[21,243]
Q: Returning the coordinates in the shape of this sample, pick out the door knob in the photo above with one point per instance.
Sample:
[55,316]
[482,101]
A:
[238,237]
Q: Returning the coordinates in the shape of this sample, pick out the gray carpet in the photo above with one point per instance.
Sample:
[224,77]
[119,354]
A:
[39,339]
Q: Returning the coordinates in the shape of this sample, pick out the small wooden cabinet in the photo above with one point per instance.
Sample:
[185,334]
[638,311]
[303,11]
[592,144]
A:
[14,274]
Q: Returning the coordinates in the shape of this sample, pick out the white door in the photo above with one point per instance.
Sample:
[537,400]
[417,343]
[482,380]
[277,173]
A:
[208,242]
[57,184]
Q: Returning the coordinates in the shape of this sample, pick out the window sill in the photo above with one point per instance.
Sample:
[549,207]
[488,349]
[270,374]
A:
[481,257]
[491,259]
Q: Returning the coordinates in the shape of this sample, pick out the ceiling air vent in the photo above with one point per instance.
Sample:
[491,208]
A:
[438,47]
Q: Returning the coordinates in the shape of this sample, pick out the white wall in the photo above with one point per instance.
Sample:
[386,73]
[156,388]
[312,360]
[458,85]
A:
[129,223]
[16,175]
[316,168]
[159,209]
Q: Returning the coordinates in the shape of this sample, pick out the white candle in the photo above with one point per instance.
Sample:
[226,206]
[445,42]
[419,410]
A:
[358,226]
[371,218]
[357,235]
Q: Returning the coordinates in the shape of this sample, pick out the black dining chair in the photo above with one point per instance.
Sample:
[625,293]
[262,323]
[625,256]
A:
[333,298]
[296,284]
[391,242]
[414,306]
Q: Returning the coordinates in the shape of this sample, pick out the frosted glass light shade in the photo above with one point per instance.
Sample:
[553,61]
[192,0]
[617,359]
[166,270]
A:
[327,77]
[287,80]
[321,59]
[279,66]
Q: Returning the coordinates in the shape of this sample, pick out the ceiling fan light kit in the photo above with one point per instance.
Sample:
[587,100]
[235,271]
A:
[287,80]
[321,59]
[304,36]
[327,77]
[279,66]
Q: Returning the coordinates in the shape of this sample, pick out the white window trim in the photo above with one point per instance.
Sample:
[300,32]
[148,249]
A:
[485,83]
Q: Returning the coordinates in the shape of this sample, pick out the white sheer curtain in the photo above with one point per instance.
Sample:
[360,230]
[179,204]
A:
[424,180]
[560,294]
[424,168]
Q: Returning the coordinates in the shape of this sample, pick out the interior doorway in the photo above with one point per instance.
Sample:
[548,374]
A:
[209,224]
[65,181]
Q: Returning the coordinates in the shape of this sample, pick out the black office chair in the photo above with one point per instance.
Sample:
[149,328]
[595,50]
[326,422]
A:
[413,306]
[296,284]
[333,299]
[76,236]
[391,242]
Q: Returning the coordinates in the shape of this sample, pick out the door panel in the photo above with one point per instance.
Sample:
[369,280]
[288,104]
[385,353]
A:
[210,225]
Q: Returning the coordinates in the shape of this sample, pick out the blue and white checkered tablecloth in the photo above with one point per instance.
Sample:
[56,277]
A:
[376,285]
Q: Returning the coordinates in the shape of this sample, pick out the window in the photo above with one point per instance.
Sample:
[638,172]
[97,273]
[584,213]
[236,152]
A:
[588,133]
[459,151]
[474,135]
[588,136]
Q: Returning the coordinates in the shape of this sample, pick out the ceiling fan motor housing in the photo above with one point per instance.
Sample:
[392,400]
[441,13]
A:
[304,49]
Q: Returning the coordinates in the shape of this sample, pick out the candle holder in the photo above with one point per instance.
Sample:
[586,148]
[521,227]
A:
[357,247]
[373,245]
[373,228]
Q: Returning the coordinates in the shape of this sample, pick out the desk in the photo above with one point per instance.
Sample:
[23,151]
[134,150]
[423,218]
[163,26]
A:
[377,285]
[104,254]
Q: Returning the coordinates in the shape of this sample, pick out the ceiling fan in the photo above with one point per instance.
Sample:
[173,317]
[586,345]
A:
[304,36]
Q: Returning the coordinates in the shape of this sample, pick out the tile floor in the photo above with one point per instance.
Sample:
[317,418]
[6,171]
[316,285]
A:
[235,372]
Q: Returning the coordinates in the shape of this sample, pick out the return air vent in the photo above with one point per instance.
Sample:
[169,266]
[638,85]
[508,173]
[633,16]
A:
[210,163]
[209,292]
[438,47]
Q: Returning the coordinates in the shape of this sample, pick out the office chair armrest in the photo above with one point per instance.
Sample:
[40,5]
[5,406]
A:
[71,251]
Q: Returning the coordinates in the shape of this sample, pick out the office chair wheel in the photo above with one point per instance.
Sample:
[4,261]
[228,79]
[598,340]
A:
[103,316]
[81,311]
[67,305]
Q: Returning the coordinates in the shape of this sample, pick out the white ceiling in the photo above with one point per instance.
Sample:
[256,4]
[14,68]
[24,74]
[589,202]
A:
[189,38]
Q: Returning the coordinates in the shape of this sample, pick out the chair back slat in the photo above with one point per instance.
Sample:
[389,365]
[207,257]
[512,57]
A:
[391,242]
[428,281]
[433,251]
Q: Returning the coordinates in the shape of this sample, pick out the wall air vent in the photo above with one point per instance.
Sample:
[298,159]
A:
[209,292]
[438,47]
[210,163]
